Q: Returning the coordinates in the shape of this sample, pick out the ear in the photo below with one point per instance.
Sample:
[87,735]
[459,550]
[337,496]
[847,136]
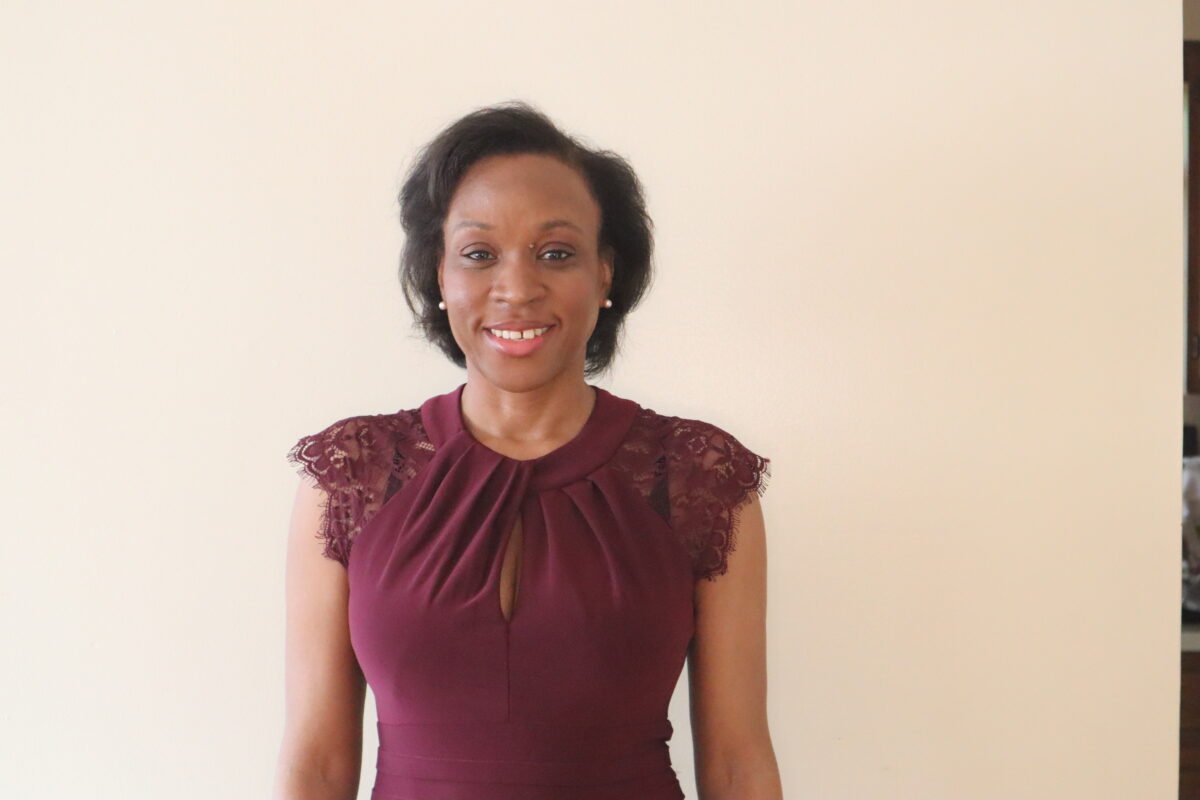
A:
[606,270]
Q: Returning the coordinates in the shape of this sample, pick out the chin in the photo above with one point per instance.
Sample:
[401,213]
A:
[523,377]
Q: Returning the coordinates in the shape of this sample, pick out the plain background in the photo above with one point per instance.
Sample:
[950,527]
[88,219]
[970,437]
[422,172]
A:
[926,256]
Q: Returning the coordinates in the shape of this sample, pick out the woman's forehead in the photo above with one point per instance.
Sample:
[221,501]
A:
[521,190]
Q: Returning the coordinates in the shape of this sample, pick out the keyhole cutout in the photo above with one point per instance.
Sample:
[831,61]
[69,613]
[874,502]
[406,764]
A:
[510,572]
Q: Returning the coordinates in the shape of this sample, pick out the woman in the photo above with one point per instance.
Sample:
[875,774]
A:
[519,567]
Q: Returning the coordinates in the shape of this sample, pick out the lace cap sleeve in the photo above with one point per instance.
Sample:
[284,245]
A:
[344,460]
[711,475]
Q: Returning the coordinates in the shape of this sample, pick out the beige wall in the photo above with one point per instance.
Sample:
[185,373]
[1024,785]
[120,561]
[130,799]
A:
[1191,402]
[924,255]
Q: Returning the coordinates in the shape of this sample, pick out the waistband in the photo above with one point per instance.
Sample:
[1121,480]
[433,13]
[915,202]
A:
[524,761]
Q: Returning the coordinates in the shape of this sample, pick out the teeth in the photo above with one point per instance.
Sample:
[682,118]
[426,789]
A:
[528,333]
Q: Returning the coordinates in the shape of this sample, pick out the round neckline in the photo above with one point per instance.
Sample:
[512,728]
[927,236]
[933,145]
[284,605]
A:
[595,443]
[588,424]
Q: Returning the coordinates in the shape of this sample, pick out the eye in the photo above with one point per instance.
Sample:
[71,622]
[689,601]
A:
[471,255]
[563,255]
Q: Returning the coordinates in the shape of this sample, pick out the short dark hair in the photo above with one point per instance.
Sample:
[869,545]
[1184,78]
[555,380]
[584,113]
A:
[509,128]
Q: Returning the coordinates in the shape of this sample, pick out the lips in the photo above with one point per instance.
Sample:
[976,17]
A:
[518,345]
[519,324]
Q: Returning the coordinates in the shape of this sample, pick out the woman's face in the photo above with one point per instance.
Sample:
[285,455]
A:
[520,253]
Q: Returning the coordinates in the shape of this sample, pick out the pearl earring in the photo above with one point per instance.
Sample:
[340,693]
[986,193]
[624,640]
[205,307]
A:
[608,303]
[442,305]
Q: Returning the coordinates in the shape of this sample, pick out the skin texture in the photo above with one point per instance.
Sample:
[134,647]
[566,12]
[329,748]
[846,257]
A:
[524,407]
[325,692]
[727,673]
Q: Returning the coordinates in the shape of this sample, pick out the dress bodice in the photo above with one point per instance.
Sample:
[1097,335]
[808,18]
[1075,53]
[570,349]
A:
[566,697]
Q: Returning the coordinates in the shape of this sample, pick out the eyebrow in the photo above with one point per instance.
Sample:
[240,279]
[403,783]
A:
[554,223]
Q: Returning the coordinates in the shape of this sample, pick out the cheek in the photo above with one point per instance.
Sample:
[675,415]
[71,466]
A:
[584,301]
[462,294]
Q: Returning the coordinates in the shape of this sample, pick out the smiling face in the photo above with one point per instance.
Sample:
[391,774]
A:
[520,252]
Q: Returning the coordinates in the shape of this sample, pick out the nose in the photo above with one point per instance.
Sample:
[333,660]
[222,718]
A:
[517,279]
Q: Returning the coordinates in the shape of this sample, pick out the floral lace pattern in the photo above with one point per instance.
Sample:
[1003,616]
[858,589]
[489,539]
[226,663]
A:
[360,462]
[642,458]
[696,476]
[710,476]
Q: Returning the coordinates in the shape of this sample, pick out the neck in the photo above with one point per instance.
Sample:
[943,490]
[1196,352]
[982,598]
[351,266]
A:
[535,418]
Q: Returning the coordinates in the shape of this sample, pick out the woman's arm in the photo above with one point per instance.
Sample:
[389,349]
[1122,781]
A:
[727,674]
[321,755]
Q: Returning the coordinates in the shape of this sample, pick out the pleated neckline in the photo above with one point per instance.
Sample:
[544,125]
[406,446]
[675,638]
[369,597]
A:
[594,445]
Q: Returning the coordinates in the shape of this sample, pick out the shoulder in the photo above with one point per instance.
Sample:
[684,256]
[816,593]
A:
[700,446]
[704,458]
[706,475]
[345,451]
[359,462]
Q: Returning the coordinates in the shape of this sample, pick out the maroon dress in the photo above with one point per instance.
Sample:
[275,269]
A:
[568,697]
